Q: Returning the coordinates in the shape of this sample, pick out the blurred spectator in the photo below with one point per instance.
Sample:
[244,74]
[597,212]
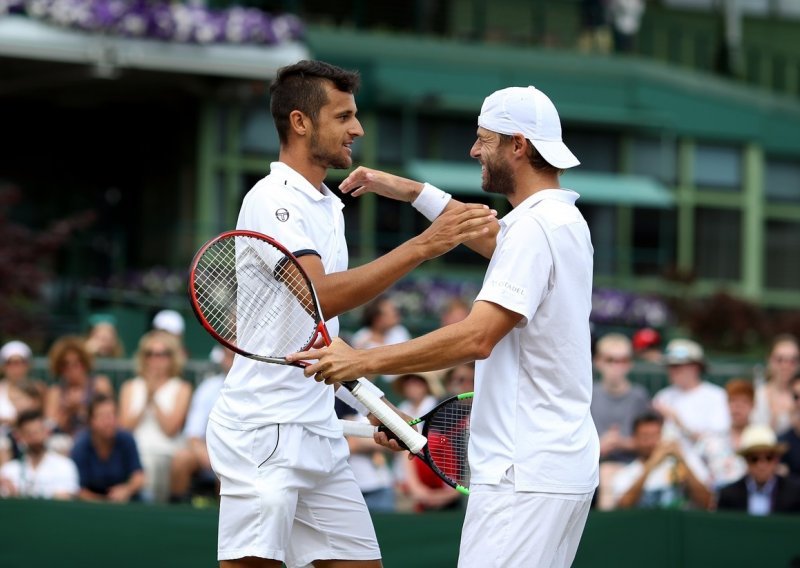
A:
[615,404]
[761,491]
[15,361]
[170,321]
[371,469]
[29,398]
[454,311]
[38,472]
[626,18]
[67,402]
[774,401]
[382,325]
[664,475]
[107,457]
[595,36]
[191,462]
[103,340]
[690,406]
[459,379]
[153,406]
[719,451]
[792,437]
[647,345]
[426,490]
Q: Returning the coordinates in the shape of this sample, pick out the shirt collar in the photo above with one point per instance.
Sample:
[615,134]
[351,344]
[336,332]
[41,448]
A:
[753,488]
[298,182]
[564,195]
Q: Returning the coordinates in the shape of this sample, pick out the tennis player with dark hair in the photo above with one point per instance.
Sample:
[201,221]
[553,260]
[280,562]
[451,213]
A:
[533,449]
[287,491]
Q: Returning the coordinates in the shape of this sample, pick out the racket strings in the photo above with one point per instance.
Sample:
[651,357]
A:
[448,439]
[255,297]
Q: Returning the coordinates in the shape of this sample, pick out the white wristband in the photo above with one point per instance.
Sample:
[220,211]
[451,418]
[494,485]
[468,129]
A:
[431,201]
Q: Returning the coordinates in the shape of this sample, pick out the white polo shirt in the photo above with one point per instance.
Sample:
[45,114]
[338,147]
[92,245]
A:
[285,206]
[533,393]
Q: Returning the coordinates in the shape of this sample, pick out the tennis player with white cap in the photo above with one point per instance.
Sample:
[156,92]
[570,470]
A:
[533,449]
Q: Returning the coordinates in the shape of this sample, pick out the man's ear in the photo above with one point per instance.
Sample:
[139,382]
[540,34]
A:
[299,122]
[520,144]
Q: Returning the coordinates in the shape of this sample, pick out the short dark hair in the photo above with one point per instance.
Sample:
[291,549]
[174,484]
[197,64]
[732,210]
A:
[97,400]
[29,416]
[301,87]
[535,159]
[373,310]
[647,418]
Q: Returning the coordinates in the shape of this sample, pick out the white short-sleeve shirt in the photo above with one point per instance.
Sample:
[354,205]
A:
[703,410]
[285,206]
[533,393]
[54,474]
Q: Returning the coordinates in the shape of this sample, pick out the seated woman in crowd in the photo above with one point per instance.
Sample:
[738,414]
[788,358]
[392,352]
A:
[67,402]
[774,402]
[154,405]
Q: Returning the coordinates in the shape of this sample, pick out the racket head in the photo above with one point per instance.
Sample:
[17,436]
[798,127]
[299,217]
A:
[446,428]
[252,295]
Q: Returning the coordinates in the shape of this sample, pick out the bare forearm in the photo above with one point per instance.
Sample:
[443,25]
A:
[631,497]
[340,292]
[699,493]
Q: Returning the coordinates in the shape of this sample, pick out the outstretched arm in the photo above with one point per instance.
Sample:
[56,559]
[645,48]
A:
[339,292]
[468,340]
[365,180]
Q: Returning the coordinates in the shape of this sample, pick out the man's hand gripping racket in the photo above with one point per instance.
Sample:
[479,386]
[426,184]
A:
[253,296]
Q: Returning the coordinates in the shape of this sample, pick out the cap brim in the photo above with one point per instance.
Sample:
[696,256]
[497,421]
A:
[779,448]
[556,153]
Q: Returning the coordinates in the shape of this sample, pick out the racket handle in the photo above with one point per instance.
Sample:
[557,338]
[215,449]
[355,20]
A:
[358,429]
[388,417]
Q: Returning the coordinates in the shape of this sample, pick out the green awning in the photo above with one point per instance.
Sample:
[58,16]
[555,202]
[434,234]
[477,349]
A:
[593,187]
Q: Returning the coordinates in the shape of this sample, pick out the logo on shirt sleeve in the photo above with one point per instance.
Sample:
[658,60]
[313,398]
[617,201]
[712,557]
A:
[282,215]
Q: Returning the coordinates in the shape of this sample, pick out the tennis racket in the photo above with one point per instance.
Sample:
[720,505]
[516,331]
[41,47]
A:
[446,428]
[253,296]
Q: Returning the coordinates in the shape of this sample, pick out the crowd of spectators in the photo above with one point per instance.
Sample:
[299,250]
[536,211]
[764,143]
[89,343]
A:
[693,445]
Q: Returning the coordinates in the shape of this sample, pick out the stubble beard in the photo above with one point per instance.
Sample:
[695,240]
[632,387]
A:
[327,159]
[499,178]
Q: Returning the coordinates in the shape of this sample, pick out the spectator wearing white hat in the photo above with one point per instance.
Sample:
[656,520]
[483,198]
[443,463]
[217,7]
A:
[761,491]
[15,362]
[169,321]
[691,406]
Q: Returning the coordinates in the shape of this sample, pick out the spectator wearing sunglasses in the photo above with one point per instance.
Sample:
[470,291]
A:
[761,491]
[154,405]
[615,405]
[774,402]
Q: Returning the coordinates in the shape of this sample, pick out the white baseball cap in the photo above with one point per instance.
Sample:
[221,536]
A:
[15,349]
[528,111]
[169,320]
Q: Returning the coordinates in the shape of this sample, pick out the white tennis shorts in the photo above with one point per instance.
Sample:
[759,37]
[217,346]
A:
[504,527]
[287,494]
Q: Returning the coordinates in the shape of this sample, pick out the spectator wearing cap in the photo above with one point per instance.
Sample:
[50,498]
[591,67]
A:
[691,406]
[170,321]
[15,363]
[761,491]
[774,402]
[647,345]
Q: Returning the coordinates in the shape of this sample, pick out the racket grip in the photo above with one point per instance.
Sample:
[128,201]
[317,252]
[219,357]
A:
[358,429]
[388,417]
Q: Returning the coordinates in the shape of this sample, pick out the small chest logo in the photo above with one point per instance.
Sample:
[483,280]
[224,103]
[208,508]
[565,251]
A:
[282,215]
